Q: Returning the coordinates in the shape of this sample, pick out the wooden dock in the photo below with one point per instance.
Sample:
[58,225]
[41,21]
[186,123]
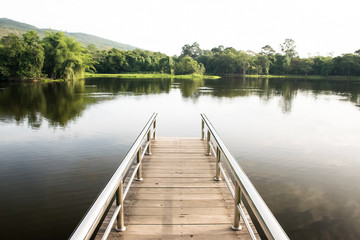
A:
[178,198]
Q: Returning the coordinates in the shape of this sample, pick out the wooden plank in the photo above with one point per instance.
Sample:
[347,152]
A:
[179,196]
[179,203]
[141,211]
[179,219]
[180,190]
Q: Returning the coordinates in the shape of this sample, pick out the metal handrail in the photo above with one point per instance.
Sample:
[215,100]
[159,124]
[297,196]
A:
[243,185]
[114,187]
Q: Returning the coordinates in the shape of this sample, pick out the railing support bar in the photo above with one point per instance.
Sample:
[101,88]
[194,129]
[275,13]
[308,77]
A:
[237,201]
[120,202]
[139,161]
[148,149]
[154,129]
[202,129]
[251,232]
[217,172]
[208,151]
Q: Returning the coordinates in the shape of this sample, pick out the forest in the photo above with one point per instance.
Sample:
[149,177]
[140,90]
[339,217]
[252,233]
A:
[57,56]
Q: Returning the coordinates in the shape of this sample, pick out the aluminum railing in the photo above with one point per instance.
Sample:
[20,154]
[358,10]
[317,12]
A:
[241,184]
[115,187]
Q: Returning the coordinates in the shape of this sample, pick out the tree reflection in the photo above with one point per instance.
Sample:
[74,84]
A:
[131,86]
[62,102]
[286,89]
[190,88]
[57,102]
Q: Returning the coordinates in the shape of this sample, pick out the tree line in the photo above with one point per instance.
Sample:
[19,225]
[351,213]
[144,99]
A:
[220,60]
[135,61]
[58,56]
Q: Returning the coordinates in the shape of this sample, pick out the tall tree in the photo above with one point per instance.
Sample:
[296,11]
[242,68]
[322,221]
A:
[262,63]
[288,49]
[21,58]
[244,61]
[65,58]
[33,57]
[187,65]
[193,51]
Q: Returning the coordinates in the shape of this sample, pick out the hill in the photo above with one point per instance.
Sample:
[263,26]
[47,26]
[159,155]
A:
[10,26]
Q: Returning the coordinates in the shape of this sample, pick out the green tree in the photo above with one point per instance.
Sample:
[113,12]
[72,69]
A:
[244,60]
[262,63]
[194,50]
[306,65]
[322,65]
[65,58]
[11,49]
[33,58]
[167,65]
[21,58]
[347,64]
[268,50]
[187,65]
[288,49]
[217,50]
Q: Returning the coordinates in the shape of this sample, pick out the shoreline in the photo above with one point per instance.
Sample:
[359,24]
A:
[148,75]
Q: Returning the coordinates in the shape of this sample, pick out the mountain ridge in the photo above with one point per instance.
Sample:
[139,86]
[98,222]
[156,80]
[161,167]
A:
[8,26]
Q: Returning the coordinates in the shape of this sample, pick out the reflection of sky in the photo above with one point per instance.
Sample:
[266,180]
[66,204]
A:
[304,162]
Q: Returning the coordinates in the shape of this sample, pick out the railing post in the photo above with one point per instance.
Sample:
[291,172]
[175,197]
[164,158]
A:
[218,157]
[154,128]
[208,151]
[148,150]
[202,129]
[237,201]
[139,171]
[120,202]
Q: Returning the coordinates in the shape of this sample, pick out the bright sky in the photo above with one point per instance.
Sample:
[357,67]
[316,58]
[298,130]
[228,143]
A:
[317,26]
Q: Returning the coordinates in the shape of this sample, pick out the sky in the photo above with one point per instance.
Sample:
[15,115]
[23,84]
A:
[319,27]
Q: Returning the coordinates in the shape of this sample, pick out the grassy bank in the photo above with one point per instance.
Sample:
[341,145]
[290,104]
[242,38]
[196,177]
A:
[149,75]
[314,77]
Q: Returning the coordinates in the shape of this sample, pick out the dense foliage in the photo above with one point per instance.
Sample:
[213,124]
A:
[21,57]
[65,58]
[28,58]
[58,56]
[220,60]
[119,61]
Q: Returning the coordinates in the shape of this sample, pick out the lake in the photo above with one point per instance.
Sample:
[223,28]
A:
[298,140]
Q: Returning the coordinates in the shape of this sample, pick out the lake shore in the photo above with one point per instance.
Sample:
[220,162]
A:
[310,77]
[149,75]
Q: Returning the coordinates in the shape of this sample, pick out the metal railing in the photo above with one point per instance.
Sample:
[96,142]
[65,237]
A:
[242,186]
[115,187]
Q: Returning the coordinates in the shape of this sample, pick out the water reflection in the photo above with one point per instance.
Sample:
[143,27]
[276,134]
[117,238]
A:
[60,103]
[303,159]
[287,89]
[57,102]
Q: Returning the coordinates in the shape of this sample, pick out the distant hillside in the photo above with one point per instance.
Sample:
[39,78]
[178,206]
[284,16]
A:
[10,26]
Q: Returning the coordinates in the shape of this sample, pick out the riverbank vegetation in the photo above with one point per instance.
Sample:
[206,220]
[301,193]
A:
[58,56]
[149,75]
[221,60]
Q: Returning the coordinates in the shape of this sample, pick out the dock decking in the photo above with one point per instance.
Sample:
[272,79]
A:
[178,198]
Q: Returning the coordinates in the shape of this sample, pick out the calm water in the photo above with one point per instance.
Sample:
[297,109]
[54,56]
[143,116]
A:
[298,141]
